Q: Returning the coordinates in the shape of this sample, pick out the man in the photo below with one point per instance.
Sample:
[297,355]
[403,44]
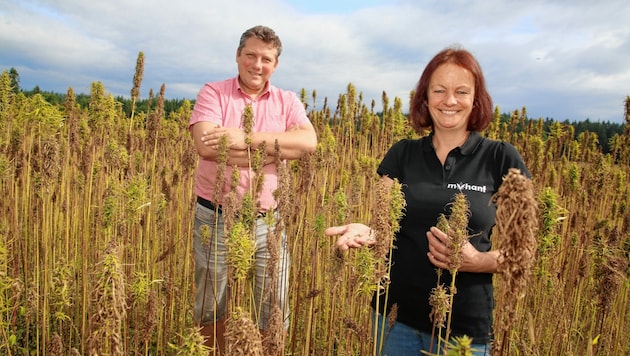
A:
[278,116]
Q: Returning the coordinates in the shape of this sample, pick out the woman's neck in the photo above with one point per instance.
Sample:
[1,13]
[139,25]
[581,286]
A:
[446,142]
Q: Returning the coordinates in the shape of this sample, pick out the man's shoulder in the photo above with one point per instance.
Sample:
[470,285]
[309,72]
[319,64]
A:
[222,84]
[216,89]
[276,90]
[285,94]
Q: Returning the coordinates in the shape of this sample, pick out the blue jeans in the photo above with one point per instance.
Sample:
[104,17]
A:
[403,340]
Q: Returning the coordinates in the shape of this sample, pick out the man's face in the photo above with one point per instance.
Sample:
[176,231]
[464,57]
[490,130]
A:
[256,61]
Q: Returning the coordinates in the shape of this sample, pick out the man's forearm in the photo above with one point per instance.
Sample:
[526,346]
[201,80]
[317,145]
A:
[243,159]
[293,144]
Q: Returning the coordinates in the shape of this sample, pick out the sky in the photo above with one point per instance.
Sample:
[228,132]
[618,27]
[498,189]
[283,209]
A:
[559,59]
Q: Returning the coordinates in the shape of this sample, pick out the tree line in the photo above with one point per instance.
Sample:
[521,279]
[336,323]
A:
[604,130]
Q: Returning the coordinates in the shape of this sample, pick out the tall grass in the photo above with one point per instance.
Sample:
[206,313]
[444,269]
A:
[96,231]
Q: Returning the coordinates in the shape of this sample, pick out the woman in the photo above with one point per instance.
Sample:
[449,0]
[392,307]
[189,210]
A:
[452,102]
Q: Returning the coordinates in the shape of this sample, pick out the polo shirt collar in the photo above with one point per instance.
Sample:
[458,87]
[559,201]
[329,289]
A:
[473,141]
[266,90]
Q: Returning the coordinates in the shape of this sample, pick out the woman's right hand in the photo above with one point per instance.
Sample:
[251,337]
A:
[352,235]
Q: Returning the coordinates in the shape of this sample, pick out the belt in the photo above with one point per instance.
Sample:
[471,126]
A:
[210,205]
[217,208]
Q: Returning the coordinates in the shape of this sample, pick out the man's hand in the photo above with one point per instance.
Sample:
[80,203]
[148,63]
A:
[235,137]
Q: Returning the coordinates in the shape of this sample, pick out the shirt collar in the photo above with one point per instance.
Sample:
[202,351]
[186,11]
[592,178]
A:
[472,142]
[266,90]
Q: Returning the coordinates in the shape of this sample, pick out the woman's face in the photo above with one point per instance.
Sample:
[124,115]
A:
[451,95]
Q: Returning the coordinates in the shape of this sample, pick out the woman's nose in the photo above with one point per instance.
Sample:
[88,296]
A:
[451,100]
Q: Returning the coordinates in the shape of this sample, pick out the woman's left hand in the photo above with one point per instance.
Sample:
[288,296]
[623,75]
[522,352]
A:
[353,235]
[440,253]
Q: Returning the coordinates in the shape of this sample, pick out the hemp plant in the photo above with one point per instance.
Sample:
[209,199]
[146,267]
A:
[515,236]
[135,90]
[456,227]
[389,208]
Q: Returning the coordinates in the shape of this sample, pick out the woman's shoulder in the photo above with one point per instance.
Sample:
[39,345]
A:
[407,145]
[503,146]
[505,154]
[409,142]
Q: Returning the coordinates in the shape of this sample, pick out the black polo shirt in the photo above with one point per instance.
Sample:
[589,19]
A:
[475,169]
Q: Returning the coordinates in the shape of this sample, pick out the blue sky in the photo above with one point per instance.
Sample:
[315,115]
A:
[559,59]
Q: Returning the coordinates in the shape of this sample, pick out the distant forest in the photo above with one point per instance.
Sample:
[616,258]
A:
[603,129]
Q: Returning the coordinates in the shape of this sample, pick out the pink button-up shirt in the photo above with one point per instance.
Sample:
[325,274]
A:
[275,110]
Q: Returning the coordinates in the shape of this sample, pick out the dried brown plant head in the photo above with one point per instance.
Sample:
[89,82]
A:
[439,300]
[137,77]
[516,227]
[108,304]
[386,214]
[514,235]
[274,336]
[611,267]
[55,345]
[150,321]
[242,336]
[392,316]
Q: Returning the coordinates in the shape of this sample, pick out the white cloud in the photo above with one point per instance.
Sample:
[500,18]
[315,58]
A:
[560,59]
